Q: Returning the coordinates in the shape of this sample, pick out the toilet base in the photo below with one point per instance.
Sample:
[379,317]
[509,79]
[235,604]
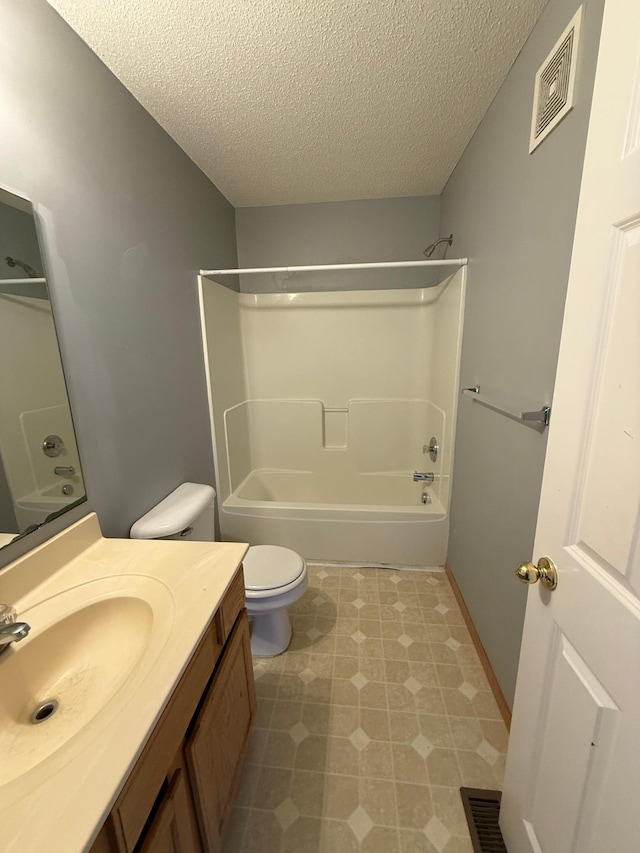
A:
[270,633]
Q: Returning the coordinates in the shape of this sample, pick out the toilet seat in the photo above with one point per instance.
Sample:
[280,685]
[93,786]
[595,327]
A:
[270,569]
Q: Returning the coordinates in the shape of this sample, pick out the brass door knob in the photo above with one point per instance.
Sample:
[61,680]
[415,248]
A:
[545,572]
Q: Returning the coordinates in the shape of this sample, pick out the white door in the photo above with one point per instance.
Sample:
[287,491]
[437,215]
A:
[573,770]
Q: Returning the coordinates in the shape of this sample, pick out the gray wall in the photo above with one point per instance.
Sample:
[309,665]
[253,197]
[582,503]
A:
[344,232]
[513,214]
[127,220]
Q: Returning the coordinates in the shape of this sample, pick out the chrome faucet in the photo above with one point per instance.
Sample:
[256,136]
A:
[12,632]
[427,477]
[64,470]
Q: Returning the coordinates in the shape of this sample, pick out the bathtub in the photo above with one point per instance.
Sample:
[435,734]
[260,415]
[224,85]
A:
[321,406]
[362,519]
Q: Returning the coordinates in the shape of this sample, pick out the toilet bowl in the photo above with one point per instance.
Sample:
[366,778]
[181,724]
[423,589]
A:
[275,577]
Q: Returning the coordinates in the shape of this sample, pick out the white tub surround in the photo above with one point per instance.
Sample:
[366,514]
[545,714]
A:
[62,802]
[321,404]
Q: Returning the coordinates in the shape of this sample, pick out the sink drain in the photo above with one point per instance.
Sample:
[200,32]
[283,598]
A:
[44,711]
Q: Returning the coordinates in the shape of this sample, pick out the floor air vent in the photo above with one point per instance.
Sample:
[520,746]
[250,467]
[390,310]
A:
[555,83]
[482,808]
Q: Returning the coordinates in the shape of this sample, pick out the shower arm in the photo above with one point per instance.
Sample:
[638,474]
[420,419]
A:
[430,249]
[14,262]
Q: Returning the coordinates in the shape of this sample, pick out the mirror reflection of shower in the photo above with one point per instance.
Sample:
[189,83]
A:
[14,262]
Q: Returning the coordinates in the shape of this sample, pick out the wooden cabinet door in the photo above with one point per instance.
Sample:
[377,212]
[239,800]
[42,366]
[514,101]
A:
[216,746]
[172,830]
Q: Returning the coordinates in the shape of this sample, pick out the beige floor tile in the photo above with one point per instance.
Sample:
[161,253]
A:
[475,770]
[403,727]
[425,673]
[371,648]
[373,695]
[375,723]
[372,668]
[343,757]
[345,692]
[413,804]
[452,676]
[370,627]
[495,732]
[345,627]
[280,750]
[381,840]
[284,714]
[262,833]
[264,712]
[376,760]
[429,700]
[257,743]
[341,796]
[408,765]
[412,841]
[447,806]
[317,717]
[345,667]
[397,671]
[343,720]
[459,845]
[486,706]
[318,690]
[437,729]
[442,767]
[401,699]
[303,834]
[377,798]
[272,787]
[308,792]
[466,732]
[338,837]
[268,685]
[444,654]
[321,665]
[312,753]
[421,651]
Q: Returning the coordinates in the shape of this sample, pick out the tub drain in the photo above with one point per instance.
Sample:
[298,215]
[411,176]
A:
[44,711]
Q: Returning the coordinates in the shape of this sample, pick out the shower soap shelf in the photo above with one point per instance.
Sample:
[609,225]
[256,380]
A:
[538,419]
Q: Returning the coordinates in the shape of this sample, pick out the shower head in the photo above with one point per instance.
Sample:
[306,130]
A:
[14,262]
[430,249]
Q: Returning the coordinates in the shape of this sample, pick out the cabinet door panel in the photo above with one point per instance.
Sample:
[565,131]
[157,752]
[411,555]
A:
[172,829]
[216,746]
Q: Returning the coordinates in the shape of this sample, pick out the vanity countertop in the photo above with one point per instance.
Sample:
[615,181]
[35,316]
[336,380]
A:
[62,802]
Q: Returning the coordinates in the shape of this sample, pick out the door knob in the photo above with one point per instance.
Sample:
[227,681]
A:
[545,572]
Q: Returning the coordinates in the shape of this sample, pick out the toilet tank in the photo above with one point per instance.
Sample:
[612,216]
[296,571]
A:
[188,513]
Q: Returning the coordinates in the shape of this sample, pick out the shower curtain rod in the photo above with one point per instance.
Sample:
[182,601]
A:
[456,262]
[23,281]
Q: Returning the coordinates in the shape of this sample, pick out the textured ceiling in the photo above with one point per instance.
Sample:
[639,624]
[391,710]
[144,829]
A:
[290,101]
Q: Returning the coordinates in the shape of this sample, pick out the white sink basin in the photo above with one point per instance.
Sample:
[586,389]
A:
[89,648]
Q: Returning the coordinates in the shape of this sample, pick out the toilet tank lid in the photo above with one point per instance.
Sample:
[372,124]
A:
[176,512]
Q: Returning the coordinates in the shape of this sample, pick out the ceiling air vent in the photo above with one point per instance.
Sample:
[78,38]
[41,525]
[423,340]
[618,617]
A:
[553,96]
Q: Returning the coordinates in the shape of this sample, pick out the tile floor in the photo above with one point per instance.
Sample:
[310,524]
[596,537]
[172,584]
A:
[369,723]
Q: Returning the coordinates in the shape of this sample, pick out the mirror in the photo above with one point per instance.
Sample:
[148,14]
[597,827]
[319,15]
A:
[40,474]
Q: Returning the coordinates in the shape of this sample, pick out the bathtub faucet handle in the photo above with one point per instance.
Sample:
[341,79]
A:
[427,477]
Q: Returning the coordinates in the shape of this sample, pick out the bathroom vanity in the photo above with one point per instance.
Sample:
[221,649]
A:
[150,764]
[181,786]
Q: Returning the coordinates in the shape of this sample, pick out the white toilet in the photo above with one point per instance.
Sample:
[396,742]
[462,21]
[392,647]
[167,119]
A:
[274,577]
